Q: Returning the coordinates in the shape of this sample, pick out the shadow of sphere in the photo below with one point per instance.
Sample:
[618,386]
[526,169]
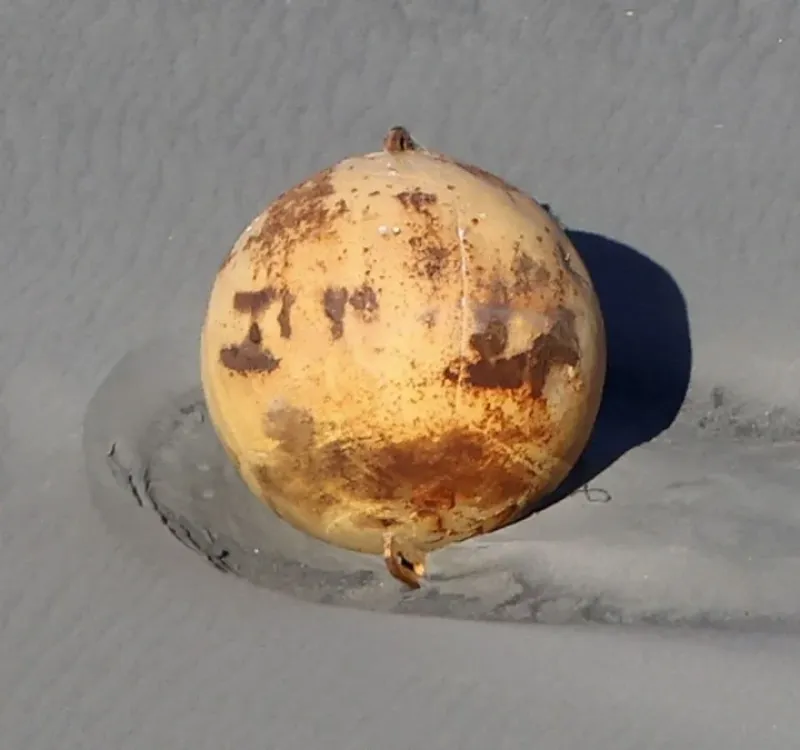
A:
[649,355]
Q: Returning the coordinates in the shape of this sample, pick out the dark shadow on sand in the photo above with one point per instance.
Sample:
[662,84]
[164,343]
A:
[649,356]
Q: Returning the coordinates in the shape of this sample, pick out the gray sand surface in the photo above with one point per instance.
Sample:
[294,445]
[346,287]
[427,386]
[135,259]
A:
[147,600]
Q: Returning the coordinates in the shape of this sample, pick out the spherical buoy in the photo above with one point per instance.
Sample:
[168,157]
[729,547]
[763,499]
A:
[403,352]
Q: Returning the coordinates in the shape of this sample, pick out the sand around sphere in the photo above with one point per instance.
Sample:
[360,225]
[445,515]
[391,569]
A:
[403,352]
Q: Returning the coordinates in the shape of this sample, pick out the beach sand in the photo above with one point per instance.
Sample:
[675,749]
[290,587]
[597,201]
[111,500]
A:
[147,600]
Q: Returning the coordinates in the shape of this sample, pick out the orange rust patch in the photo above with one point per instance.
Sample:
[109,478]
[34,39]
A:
[431,476]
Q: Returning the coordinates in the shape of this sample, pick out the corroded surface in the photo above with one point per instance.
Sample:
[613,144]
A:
[405,347]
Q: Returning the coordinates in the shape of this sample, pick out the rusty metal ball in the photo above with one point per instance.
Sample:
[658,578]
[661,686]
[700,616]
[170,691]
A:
[403,352]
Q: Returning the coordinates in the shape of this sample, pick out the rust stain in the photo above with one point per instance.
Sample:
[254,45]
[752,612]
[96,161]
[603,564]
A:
[458,484]
[284,316]
[428,319]
[559,346]
[439,475]
[428,477]
[254,333]
[334,300]
[294,428]
[269,487]
[431,258]
[364,300]
[528,274]
[430,255]
[249,356]
[299,214]
[254,302]
[416,199]
[492,341]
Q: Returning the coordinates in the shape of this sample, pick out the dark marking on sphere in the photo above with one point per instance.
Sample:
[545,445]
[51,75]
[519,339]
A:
[254,333]
[285,315]
[428,319]
[365,301]
[416,199]
[492,341]
[559,346]
[434,261]
[293,428]
[374,193]
[528,274]
[430,258]
[457,468]
[299,214]
[254,302]
[547,207]
[249,356]
[334,300]
[452,373]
